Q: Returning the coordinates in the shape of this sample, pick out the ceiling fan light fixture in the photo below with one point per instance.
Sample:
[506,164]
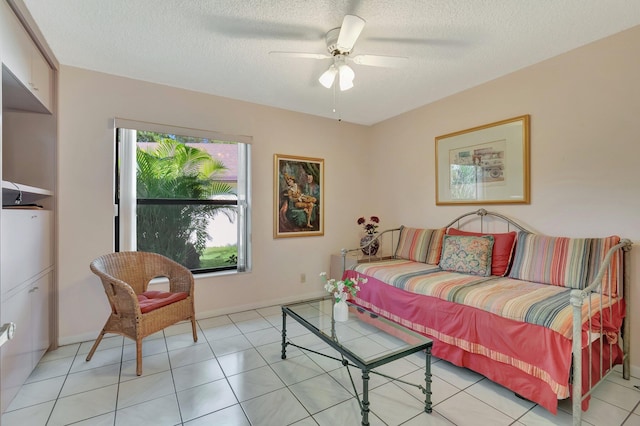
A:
[328,77]
[340,42]
[345,84]
[346,77]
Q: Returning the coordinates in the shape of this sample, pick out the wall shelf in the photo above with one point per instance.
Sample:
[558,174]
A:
[30,194]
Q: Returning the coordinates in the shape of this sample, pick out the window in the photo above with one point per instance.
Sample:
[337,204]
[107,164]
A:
[183,193]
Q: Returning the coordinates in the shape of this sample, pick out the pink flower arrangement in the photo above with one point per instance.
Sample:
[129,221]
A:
[371,226]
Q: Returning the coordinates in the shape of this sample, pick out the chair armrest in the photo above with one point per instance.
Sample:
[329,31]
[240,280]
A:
[126,300]
[180,279]
[121,296]
[181,282]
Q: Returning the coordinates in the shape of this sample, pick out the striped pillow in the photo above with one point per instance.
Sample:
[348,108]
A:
[420,245]
[557,261]
[612,276]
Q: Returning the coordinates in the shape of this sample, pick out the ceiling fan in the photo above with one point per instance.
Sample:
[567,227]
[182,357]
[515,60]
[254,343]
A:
[340,42]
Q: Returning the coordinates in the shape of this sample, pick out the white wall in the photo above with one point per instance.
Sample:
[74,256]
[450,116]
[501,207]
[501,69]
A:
[88,103]
[585,146]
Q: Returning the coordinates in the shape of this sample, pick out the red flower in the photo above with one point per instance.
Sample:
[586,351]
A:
[370,227]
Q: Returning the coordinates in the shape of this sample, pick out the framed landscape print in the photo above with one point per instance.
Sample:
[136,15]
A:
[484,165]
[298,196]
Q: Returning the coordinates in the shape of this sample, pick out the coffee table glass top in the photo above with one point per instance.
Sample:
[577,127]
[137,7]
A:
[370,340]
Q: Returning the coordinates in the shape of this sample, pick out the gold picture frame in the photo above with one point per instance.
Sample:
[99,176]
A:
[298,201]
[484,165]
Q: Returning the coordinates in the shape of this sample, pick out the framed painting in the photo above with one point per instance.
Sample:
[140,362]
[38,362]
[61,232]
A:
[298,196]
[484,165]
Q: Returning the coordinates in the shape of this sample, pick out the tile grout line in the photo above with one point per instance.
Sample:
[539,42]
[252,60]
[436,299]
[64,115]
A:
[173,379]
[66,377]
[226,378]
[631,413]
[269,364]
[115,409]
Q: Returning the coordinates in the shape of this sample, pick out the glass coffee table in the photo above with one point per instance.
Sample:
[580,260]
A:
[364,351]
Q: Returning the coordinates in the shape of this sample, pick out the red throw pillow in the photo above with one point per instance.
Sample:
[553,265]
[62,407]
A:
[502,249]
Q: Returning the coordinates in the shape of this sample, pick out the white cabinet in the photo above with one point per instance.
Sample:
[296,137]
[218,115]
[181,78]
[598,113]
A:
[28,307]
[16,45]
[16,353]
[26,246]
[40,296]
[28,142]
[41,77]
[22,58]
[26,268]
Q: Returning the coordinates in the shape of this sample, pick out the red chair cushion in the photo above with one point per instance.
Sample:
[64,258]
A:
[151,300]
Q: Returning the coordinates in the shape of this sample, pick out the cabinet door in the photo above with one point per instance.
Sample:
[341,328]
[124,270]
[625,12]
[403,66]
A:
[23,59]
[25,245]
[16,45]
[40,293]
[16,354]
[41,77]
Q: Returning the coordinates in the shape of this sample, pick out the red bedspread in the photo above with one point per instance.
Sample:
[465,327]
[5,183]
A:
[531,360]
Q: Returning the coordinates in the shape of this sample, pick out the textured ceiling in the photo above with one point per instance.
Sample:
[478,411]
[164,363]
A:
[222,46]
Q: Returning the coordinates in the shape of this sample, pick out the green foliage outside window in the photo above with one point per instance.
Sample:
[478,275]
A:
[174,170]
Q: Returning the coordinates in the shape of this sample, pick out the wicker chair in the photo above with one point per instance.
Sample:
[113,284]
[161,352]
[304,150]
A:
[136,312]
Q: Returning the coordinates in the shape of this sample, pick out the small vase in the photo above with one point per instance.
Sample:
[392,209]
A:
[372,249]
[341,310]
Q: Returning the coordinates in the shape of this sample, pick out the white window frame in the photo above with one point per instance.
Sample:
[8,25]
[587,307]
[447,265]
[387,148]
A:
[127,206]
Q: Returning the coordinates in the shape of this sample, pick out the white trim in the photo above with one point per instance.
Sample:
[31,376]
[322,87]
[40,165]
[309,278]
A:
[244,208]
[259,305]
[127,139]
[181,131]
[127,184]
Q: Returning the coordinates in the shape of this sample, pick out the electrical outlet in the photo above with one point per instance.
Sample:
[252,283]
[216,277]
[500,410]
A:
[303,278]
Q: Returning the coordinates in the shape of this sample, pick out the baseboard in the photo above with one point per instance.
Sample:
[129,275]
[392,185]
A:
[88,337]
[259,305]
[78,338]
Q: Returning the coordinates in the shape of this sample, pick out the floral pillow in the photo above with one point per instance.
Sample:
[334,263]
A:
[502,249]
[467,254]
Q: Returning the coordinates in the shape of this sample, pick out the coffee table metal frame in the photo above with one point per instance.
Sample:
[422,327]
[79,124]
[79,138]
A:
[351,359]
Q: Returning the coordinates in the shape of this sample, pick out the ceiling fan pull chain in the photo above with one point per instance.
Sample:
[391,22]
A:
[336,101]
[334,98]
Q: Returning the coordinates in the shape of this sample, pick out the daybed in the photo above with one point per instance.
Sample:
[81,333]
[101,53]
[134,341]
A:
[522,309]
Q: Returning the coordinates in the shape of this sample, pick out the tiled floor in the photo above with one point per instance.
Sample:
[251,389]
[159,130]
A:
[234,375]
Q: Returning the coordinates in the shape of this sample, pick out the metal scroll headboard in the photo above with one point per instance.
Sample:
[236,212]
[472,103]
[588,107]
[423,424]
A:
[482,213]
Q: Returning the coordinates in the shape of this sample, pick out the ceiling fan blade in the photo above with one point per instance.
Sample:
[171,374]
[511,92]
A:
[379,60]
[350,30]
[303,55]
